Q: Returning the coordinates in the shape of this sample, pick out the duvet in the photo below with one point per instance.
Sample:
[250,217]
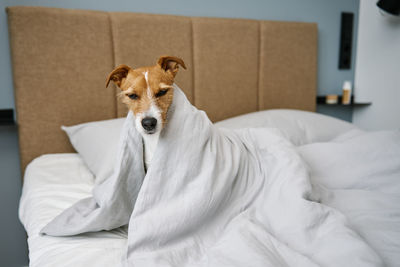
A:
[214,197]
[358,174]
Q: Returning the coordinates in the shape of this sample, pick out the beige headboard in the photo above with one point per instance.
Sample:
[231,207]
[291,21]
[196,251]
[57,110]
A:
[61,58]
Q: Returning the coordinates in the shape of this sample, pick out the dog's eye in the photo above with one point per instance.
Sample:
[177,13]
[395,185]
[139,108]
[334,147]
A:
[161,92]
[133,96]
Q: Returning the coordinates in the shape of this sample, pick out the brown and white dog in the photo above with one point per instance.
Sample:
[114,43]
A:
[148,93]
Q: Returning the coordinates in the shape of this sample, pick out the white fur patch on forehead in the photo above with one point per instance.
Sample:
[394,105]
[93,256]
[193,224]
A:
[149,92]
[146,77]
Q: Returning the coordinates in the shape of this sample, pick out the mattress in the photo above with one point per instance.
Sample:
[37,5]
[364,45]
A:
[52,183]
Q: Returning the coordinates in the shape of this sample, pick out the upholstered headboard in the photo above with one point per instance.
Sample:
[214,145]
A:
[61,59]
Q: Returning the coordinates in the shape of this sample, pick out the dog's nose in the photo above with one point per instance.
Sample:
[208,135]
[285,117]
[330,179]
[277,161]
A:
[149,123]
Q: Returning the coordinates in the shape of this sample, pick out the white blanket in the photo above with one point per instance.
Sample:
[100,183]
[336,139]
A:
[215,198]
[358,173]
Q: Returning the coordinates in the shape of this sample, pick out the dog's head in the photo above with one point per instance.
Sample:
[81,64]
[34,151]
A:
[148,91]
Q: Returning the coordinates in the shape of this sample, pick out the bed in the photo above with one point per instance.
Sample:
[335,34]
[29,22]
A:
[61,58]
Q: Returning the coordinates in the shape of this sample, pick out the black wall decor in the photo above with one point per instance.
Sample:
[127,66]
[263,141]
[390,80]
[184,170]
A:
[390,6]
[346,40]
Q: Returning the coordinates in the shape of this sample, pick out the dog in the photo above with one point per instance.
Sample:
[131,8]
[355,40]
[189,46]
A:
[148,93]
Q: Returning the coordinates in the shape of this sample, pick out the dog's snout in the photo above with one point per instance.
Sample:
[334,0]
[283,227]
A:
[149,123]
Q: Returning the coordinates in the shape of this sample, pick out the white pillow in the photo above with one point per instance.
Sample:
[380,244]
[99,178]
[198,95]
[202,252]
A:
[97,144]
[300,127]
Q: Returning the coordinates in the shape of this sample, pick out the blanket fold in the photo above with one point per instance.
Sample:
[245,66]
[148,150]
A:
[214,197]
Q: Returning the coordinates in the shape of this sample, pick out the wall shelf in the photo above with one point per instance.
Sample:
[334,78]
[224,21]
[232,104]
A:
[321,101]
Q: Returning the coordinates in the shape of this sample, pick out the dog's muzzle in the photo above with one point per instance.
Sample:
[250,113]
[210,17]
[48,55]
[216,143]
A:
[149,124]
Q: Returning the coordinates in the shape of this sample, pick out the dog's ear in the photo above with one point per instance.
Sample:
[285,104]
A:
[171,64]
[118,74]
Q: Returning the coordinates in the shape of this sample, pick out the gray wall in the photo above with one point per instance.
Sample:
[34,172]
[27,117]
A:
[325,12]
[378,67]
[13,249]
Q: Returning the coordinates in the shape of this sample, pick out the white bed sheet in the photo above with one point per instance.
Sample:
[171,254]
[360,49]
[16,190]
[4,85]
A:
[52,183]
